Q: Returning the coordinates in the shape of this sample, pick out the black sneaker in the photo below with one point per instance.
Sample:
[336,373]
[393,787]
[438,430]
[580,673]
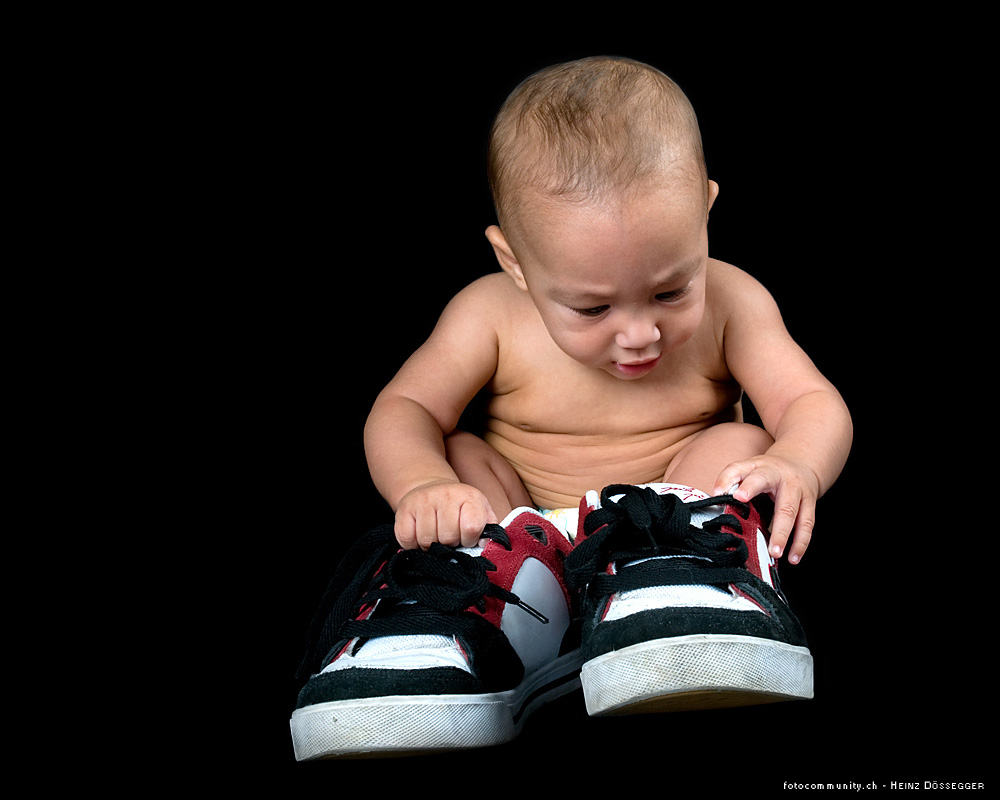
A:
[682,608]
[445,649]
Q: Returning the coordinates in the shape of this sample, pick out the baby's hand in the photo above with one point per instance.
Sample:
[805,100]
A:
[792,486]
[450,513]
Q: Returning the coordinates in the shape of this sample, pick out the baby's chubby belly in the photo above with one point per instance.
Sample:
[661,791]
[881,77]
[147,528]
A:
[558,469]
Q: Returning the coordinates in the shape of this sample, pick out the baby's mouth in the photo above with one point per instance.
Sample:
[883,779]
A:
[636,368]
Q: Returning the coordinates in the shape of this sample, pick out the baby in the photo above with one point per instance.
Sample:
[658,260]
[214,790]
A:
[614,353]
[614,349]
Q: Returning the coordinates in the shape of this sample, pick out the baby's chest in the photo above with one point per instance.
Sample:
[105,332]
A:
[571,405]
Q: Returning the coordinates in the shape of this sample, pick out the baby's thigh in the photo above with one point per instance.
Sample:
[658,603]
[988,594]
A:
[469,455]
[477,464]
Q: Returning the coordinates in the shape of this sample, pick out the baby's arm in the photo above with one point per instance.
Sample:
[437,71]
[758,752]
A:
[404,435]
[798,406]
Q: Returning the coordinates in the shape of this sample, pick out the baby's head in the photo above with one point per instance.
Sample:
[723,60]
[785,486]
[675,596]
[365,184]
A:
[594,131]
[601,192]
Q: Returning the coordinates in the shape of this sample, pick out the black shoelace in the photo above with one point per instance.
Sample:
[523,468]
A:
[642,524]
[419,592]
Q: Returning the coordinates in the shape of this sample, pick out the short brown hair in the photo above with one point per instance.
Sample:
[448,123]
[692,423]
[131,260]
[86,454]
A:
[582,129]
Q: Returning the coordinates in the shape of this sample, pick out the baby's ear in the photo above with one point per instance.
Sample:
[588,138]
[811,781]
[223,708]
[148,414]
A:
[508,261]
[713,192]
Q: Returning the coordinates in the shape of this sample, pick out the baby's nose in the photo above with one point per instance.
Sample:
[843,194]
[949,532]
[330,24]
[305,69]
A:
[637,334]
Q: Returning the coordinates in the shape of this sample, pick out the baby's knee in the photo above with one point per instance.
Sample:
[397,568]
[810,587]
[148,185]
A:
[725,442]
[476,463]
[462,448]
[744,436]
[471,457]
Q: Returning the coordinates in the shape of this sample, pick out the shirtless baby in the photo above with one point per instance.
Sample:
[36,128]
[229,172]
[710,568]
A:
[614,353]
[615,350]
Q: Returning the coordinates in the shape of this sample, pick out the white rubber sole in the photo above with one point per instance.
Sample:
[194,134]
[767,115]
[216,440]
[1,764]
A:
[696,672]
[401,725]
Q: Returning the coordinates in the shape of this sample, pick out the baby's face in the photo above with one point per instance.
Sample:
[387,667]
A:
[618,287]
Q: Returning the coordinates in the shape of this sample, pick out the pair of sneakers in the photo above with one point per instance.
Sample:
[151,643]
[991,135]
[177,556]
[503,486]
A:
[664,599]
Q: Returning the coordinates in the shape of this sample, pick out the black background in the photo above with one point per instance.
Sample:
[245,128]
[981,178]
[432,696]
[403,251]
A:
[351,165]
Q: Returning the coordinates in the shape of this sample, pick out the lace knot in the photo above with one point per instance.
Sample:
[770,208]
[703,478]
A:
[636,522]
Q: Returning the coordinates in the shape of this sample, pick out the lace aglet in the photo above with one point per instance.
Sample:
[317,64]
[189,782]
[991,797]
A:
[536,614]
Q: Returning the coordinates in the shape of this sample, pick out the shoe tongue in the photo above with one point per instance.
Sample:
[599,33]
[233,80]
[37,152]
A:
[477,550]
[687,495]
[563,520]
[515,513]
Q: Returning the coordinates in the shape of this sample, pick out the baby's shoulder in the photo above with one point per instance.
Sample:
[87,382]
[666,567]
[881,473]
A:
[742,309]
[731,290]
[495,287]
[493,296]
[724,277]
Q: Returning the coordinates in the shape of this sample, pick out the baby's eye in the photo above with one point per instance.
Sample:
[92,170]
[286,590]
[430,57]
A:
[668,297]
[596,311]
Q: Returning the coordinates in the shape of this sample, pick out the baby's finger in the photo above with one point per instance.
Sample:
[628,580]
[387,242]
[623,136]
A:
[787,507]
[473,518]
[804,524]
[756,481]
[731,477]
[405,530]
[449,526]
[428,527]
